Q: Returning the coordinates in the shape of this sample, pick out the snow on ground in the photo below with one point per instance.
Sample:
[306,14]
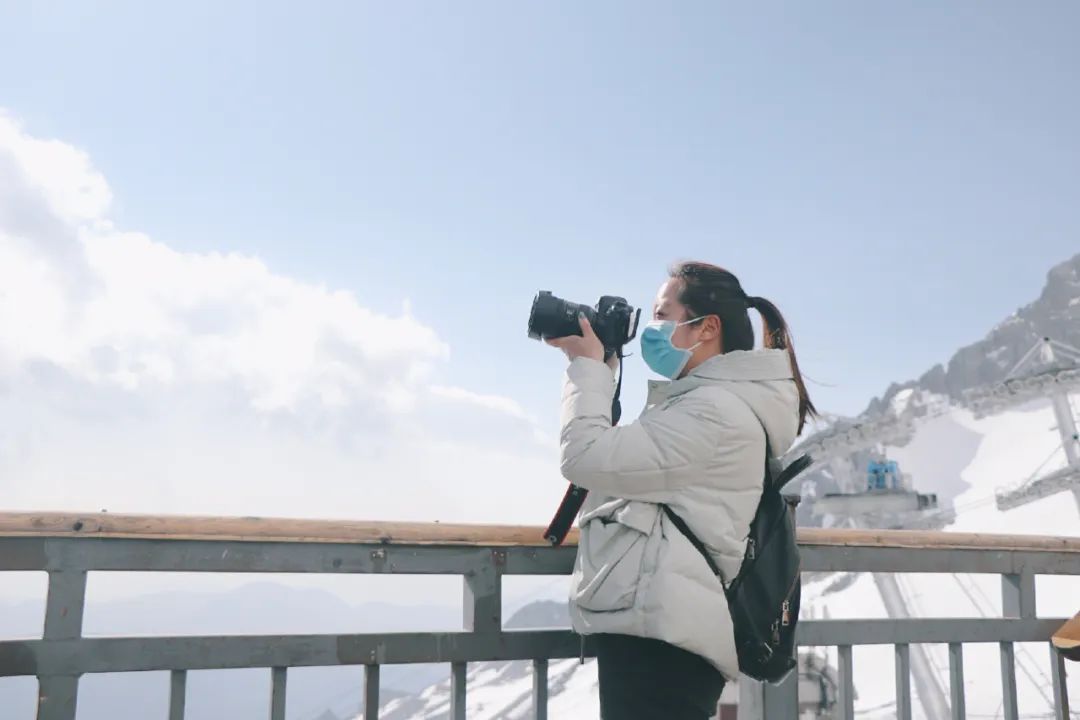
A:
[1001,450]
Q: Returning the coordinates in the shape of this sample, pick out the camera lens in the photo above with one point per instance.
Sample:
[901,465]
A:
[553,317]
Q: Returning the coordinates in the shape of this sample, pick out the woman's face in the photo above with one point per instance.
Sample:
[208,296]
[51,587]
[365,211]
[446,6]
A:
[705,333]
[668,307]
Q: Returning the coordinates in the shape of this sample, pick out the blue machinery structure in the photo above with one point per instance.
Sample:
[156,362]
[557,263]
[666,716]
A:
[883,475]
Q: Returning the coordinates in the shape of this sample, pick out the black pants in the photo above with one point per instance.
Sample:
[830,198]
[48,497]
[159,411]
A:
[643,679]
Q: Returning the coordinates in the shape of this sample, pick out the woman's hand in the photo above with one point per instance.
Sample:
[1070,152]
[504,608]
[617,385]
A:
[584,345]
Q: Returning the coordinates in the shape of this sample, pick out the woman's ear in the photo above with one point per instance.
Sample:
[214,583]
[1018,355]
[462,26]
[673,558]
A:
[710,328]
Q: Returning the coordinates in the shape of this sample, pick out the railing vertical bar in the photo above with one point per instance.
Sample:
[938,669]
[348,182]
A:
[956,681]
[371,692]
[279,676]
[177,694]
[58,696]
[540,689]
[483,594]
[903,682]
[1008,682]
[1018,595]
[782,701]
[64,606]
[457,690]
[1061,688]
[846,701]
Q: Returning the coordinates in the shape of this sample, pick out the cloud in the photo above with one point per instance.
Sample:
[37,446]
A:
[137,377]
[494,403]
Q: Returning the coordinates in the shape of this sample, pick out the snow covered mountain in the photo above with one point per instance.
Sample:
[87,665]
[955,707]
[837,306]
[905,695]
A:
[1056,313]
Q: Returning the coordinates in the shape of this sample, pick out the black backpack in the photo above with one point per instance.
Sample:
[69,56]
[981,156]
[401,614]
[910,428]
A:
[764,596]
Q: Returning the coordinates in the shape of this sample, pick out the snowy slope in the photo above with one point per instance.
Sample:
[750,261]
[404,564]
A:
[983,454]
[503,691]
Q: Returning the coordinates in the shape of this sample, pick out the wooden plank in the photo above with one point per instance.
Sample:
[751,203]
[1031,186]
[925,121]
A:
[176,527]
[1067,638]
[106,525]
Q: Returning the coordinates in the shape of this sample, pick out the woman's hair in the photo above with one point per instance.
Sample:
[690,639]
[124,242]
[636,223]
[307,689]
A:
[711,290]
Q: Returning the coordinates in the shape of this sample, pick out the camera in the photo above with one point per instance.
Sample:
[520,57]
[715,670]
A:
[613,319]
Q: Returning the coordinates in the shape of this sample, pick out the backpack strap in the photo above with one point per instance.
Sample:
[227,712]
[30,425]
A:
[694,539]
[685,529]
[776,477]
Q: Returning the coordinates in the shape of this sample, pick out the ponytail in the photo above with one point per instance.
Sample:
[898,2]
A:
[776,335]
[711,290]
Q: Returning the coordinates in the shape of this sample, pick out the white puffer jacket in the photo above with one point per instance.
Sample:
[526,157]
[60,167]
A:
[699,447]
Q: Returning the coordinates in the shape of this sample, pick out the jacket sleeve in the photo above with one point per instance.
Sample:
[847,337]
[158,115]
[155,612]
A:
[638,461]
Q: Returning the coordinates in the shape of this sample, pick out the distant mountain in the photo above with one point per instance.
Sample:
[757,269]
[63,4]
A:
[1055,314]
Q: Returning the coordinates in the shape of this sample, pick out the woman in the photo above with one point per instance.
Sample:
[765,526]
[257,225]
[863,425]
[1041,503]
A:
[659,616]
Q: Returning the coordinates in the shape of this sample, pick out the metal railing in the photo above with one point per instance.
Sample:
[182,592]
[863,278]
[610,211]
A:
[69,547]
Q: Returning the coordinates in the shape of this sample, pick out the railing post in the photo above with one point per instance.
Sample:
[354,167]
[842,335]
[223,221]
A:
[751,699]
[177,694]
[540,689]
[782,701]
[483,595]
[1017,601]
[458,701]
[371,692]
[279,677]
[1018,595]
[58,695]
[1061,689]
[483,615]
[956,681]
[1010,709]
[903,682]
[846,690]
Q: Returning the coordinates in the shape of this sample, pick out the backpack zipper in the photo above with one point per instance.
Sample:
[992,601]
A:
[785,609]
[751,553]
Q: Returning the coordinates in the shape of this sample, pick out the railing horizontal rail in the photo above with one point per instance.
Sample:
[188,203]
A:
[126,654]
[158,555]
[178,527]
[130,654]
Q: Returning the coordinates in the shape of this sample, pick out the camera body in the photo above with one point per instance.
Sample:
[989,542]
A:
[613,320]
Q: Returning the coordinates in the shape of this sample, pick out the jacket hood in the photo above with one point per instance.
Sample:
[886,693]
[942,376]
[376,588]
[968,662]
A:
[763,379]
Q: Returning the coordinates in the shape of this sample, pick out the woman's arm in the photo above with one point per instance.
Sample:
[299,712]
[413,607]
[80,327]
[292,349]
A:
[636,461]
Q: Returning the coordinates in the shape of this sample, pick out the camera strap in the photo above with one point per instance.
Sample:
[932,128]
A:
[574,499]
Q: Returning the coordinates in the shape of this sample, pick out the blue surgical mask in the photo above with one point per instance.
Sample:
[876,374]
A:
[658,352]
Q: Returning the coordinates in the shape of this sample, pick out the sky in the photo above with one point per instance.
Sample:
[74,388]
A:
[257,258]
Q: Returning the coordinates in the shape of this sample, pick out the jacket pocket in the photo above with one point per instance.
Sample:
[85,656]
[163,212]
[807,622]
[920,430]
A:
[611,553]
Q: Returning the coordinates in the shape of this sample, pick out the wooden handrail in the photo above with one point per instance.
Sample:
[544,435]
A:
[182,527]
